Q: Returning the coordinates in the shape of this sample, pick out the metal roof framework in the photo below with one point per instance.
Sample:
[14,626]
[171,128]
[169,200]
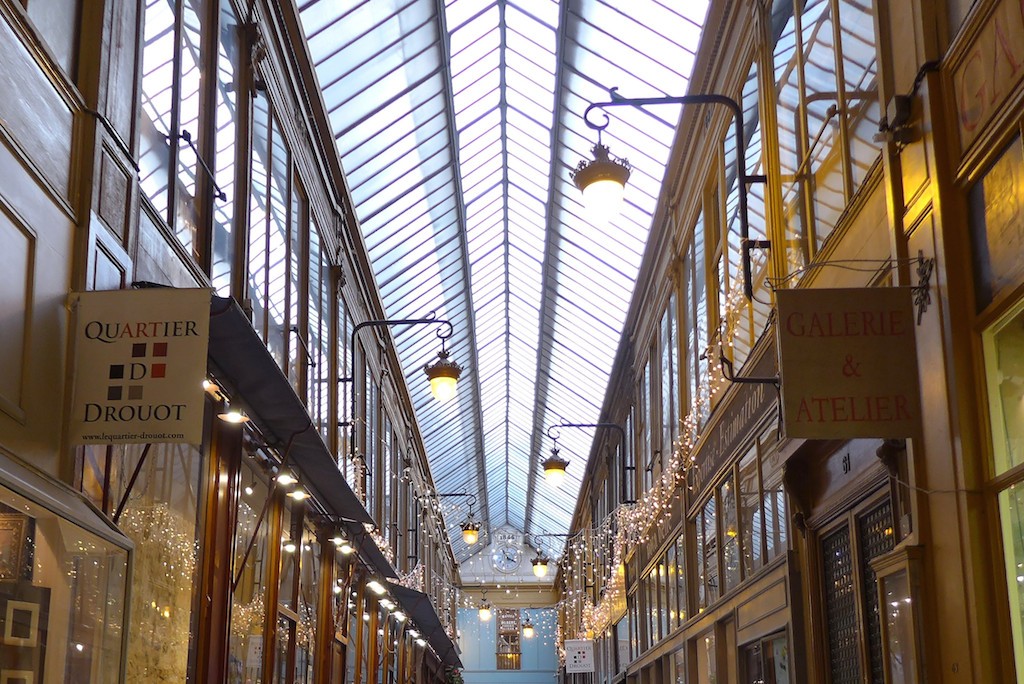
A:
[456,123]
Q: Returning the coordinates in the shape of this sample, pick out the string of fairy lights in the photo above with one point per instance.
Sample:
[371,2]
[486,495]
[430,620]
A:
[593,562]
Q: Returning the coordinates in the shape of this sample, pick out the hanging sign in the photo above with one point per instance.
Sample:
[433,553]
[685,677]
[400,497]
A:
[579,655]
[849,362]
[140,360]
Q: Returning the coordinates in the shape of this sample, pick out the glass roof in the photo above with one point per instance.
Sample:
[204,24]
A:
[457,125]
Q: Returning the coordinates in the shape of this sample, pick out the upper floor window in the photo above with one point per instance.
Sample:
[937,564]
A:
[187,151]
[827,110]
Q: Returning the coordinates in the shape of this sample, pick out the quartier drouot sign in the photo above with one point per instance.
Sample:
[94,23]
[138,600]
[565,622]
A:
[140,360]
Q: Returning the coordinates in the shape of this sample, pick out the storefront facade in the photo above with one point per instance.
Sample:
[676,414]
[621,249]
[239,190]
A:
[889,136]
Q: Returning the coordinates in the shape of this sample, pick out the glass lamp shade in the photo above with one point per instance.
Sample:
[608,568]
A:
[603,199]
[540,567]
[470,532]
[602,181]
[485,611]
[554,469]
[443,375]
[527,630]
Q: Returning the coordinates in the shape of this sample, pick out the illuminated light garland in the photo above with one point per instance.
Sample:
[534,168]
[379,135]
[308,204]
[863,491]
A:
[413,579]
[631,525]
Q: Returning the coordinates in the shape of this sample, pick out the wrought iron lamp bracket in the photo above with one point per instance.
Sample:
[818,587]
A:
[742,176]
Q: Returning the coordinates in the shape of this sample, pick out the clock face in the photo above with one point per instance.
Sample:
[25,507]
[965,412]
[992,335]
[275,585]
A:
[506,558]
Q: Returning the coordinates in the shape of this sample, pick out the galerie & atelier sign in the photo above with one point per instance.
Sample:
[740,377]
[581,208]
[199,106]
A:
[140,359]
[849,362]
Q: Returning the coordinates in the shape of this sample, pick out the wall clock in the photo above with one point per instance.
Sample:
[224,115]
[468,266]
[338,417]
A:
[506,558]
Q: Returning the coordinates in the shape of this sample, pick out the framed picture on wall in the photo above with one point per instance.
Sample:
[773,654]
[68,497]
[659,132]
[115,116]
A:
[24,622]
[12,546]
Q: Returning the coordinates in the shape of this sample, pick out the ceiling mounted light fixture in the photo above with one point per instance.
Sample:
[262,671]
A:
[606,176]
[527,628]
[540,565]
[554,467]
[443,375]
[602,180]
[234,416]
[555,431]
[470,530]
[485,611]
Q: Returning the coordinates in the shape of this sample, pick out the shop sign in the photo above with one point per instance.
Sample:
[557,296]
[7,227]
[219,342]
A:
[990,70]
[579,655]
[734,422]
[849,362]
[140,360]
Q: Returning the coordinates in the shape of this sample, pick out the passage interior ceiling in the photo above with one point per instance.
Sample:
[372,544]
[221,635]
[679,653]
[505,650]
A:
[457,124]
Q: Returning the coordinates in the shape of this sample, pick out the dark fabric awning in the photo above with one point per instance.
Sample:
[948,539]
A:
[244,367]
[421,611]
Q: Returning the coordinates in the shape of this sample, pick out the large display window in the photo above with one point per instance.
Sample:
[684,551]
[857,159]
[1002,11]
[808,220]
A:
[63,584]
[1004,365]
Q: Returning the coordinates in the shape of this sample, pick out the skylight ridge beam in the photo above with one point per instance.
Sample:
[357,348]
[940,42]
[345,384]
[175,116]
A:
[549,281]
[470,332]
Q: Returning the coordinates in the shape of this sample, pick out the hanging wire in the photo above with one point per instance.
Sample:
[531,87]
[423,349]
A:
[856,265]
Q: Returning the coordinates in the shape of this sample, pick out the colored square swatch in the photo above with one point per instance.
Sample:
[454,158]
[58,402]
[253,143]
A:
[159,349]
[114,393]
[117,371]
[135,391]
[158,370]
[139,350]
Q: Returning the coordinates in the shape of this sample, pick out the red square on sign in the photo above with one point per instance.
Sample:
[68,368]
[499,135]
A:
[159,349]
[158,370]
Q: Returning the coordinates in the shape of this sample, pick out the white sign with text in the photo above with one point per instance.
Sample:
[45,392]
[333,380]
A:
[140,360]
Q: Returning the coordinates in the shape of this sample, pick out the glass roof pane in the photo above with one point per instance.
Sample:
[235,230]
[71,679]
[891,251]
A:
[458,175]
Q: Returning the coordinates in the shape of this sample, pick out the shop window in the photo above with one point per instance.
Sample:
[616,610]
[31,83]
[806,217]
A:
[309,588]
[508,649]
[677,667]
[825,127]
[181,48]
[707,554]
[850,592]
[1004,365]
[62,589]
[671,590]
[680,578]
[160,516]
[622,658]
[250,574]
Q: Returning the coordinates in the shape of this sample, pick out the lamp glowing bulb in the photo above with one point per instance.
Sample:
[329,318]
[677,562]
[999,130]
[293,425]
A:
[485,611]
[554,469]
